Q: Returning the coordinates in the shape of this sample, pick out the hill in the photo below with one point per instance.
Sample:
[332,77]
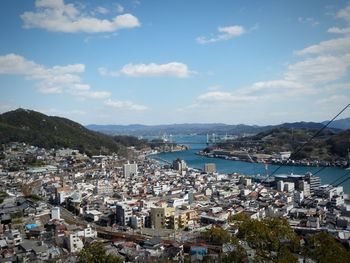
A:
[45,131]
[340,124]
[328,146]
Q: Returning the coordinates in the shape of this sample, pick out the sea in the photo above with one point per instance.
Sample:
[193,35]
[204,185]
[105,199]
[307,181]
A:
[328,175]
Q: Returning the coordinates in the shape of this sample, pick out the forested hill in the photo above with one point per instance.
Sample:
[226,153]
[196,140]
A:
[329,145]
[45,131]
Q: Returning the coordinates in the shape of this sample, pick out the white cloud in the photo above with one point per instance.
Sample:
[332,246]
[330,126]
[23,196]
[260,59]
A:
[338,30]
[338,87]
[57,79]
[344,13]
[273,85]
[126,105]
[55,15]
[322,69]
[102,10]
[319,75]
[224,97]
[308,20]
[338,45]
[225,33]
[334,100]
[172,69]
[120,8]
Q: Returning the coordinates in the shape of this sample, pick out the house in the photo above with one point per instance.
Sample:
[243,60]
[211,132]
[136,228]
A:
[35,249]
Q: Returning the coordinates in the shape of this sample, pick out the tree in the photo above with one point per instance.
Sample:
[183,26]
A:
[96,253]
[273,239]
[322,247]
[217,236]
[237,255]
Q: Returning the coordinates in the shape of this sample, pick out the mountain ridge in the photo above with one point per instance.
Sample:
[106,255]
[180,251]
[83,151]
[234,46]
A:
[199,128]
[38,129]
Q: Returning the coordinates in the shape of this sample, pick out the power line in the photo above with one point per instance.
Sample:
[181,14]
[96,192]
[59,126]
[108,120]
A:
[322,168]
[343,180]
[314,136]
[332,183]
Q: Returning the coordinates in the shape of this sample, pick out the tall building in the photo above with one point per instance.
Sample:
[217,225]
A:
[209,168]
[130,169]
[305,187]
[123,214]
[161,217]
[314,181]
[179,165]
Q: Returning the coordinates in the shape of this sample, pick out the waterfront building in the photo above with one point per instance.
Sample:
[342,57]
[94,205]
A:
[209,168]
[179,165]
[314,181]
[305,187]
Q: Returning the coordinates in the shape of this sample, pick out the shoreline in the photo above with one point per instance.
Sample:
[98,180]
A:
[311,163]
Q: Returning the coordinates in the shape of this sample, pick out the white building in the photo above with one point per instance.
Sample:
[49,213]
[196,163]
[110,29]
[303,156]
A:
[87,232]
[56,213]
[130,169]
[75,244]
[305,187]
[13,237]
[174,202]
[288,187]
[104,188]
[280,186]
[94,215]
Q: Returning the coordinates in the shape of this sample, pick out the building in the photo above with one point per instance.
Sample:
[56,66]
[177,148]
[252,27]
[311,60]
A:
[74,243]
[288,187]
[305,187]
[209,168]
[280,186]
[13,237]
[87,232]
[179,165]
[314,181]
[130,170]
[92,215]
[123,214]
[104,188]
[162,217]
[174,202]
[55,213]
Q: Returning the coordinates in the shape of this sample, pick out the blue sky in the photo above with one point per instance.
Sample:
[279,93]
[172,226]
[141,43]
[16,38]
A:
[158,62]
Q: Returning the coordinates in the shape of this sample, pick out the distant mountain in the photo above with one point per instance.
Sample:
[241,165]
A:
[340,124]
[45,131]
[185,128]
[202,128]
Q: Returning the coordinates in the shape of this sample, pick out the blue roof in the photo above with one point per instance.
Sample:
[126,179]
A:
[31,226]
[198,250]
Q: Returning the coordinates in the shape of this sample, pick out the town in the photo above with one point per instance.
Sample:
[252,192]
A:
[55,203]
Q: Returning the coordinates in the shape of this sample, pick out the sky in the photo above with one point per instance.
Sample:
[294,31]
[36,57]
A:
[185,61]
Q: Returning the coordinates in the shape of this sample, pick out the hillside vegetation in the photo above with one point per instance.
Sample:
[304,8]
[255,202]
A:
[55,132]
[327,146]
